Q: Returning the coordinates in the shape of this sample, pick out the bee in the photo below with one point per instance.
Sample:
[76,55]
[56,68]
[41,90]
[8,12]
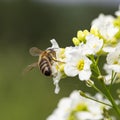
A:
[45,61]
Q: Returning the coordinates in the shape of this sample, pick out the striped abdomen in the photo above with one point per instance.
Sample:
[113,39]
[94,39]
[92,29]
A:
[45,66]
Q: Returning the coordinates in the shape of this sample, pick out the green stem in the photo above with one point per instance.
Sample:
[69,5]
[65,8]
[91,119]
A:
[109,96]
[98,90]
[113,77]
[88,97]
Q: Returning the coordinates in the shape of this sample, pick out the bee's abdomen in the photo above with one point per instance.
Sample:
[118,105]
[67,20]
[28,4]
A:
[45,67]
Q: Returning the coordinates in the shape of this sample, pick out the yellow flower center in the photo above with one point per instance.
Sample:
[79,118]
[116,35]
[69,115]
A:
[62,55]
[115,62]
[79,108]
[60,67]
[94,46]
[95,31]
[80,64]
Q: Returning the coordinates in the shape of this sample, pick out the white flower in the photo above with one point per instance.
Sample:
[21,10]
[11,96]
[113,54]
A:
[117,13]
[56,78]
[78,108]
[62,111]
[113,59]
[77,64]
[93,45]
[108,49]
[57,66]
[104,25]
[55,45]
[58,74]
[107,79]
[113,64]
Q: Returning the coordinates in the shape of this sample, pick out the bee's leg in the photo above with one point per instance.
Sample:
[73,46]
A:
[57,60]
[30,67]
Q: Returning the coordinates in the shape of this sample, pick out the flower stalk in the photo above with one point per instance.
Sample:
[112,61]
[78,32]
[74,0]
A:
[107,93]
[88,97]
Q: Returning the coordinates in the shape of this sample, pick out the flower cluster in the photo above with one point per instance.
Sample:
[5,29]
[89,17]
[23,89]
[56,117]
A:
[83,60]
[76,107]
[103,38]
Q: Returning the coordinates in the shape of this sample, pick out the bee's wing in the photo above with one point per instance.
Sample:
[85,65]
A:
[30,67]
[34,51]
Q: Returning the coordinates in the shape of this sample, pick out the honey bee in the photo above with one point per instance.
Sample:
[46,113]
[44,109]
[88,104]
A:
[45,61]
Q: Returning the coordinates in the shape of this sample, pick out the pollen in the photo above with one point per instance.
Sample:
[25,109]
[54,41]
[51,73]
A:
[94,31]
[62,55]
[60,67]
[115,62]
[94,46]
[57,67]
[81,107]
[80,64]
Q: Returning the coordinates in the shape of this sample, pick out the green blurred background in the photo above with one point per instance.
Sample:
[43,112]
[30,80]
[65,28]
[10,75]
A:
[24,24]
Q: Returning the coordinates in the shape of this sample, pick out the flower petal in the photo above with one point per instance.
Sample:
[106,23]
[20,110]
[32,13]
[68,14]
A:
[70,70]
[84,75]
